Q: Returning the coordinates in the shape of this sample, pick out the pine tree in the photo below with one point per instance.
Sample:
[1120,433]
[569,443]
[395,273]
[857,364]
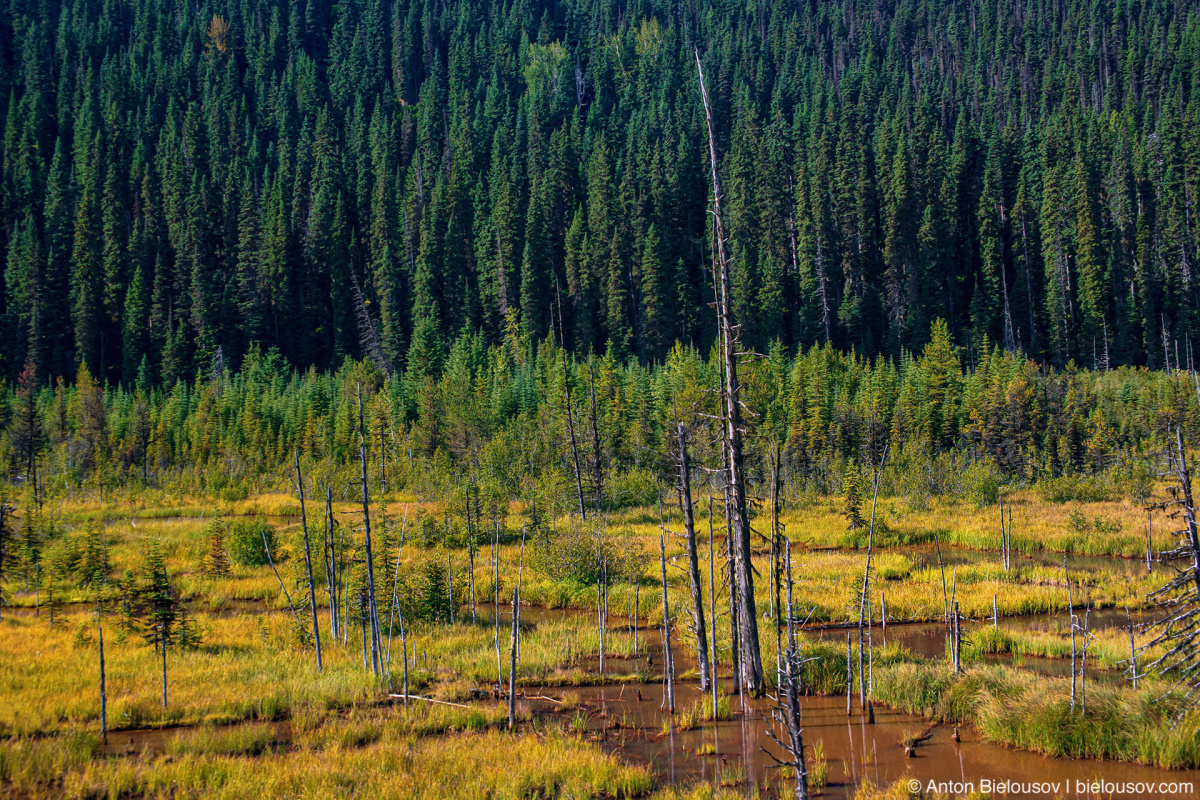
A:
[852,486]
[216,561]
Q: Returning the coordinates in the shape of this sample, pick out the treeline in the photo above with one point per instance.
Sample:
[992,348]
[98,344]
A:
[496,423]
[371,178]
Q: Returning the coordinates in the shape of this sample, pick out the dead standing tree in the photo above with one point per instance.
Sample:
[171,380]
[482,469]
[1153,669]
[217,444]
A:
[372,605]
[312,589]
[567,409]
[1179,631]
[689,525]
[750,660]
[788,706]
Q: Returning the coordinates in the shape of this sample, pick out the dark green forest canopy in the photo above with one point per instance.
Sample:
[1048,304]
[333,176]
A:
[372,178]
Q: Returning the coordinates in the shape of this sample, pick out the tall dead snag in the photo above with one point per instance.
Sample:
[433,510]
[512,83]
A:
[470,555]
[496,607]
[331,565]
[512,665]
[789,700]
[312,589]
[668,661]
[1179,631]
[372,605]
[597,469]
[1074,627]
[689,525]
[751,659]
[103,686]
[162,635]
[735,652]
[567,406]
[395,602]
[712,602]
[862,603]
[776,550]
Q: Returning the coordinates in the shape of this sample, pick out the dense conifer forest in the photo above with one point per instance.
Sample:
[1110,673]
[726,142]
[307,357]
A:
[181,184]
[439,399]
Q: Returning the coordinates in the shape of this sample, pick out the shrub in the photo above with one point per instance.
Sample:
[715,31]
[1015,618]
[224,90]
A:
[571,555]
[981,483]
[1074,488]
[635,487]
[245,543]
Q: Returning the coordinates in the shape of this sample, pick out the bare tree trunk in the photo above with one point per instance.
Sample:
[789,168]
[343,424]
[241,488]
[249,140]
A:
[404,652]
[395,589]
[600,587]
[775,554]
[103,687]
[450,585]
[1071,611]
[162,638]
[942,569]
[520,574]
[471,555]
[331,564]
[791,704]
[637,598]
[567,408]
[1008,537]
[862,604]
[312,589]
[751,658]
[668,664]
[512,666]
[597,474]
[1149,533]
[1132,650]
[685,499]
[1189,510]
[1083,663]
[849,675]
[278,577]
[1003,538]
[496,606]
[372,605]
[957,639]
[870,661]
[712,600]
[735,652]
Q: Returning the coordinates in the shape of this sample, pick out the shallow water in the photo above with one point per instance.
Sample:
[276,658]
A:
[855,750]
[926,555]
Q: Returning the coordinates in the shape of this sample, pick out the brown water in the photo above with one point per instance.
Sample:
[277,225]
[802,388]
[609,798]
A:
[926,555]
[855,751]
[929,639]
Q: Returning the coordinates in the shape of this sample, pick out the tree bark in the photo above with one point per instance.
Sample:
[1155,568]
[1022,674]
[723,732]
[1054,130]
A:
[512,666]
[372,606]
[162,637]
[668,664]
[312,589]
[751,658]
[104,688]
[567,408]
[685,500]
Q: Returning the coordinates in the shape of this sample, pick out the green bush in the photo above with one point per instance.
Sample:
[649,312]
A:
[1074,489]
[245,543]
[631,488]
[981,483]
[572,555]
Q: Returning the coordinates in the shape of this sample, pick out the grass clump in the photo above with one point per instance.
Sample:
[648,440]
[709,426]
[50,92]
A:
[1034,713]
